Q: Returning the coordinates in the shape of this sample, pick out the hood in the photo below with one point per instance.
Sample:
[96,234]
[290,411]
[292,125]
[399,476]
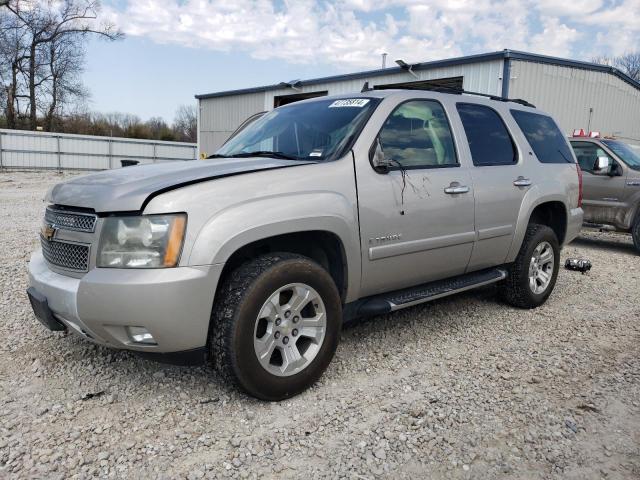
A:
[127,189]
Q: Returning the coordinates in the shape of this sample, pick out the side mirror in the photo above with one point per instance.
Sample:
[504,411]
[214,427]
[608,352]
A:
[602,166]
[378,160]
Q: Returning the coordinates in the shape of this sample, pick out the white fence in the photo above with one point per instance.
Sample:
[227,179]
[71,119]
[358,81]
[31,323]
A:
[24,149]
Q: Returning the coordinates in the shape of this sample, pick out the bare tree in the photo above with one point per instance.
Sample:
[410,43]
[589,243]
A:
[13,54]
[52,37]
[186,123]
[629,63]
[65,64]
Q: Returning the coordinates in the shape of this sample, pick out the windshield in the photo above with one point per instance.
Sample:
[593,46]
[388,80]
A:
[318,130]
[625,152]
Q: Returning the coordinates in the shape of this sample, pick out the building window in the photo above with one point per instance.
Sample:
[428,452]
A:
[489,140]
[417,135]
[544,136]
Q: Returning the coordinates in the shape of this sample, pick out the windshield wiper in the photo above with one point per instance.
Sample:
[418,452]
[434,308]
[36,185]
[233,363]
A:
[257,153]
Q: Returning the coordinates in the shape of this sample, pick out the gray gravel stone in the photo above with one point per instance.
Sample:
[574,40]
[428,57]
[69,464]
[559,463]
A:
[465,387]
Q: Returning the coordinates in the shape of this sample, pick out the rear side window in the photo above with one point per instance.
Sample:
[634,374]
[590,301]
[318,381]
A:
[544,136]
[489,140]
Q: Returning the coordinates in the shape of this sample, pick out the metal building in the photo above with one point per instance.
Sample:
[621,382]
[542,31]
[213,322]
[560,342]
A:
[578,94]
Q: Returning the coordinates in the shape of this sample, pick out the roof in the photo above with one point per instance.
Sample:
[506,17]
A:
[478,58]
[471,97]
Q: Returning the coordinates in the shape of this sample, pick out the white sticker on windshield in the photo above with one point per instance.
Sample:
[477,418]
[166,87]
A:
[316,153]
[350,102]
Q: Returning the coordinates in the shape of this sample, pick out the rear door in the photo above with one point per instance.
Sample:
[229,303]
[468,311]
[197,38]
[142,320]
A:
[500,179]
[416,218]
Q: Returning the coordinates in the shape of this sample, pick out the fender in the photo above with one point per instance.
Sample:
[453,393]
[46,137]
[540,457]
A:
[632,212]
[531,200]
[259,218]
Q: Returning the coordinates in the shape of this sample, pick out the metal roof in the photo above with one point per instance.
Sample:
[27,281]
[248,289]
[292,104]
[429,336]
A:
[478,58]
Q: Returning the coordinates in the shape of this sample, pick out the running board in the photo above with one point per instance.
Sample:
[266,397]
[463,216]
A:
[408,297]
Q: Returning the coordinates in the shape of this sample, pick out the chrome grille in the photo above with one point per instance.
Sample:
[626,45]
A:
[72,256]
[81,222]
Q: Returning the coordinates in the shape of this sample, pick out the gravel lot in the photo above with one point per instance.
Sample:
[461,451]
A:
[464,387]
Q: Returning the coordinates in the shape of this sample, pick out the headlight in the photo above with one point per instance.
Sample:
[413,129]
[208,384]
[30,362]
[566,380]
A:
[145,241]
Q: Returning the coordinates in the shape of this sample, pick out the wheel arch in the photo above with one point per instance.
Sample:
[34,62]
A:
[324,247]
[548,210]
[553,214]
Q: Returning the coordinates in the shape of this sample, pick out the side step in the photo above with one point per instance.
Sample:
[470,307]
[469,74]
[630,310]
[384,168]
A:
[408,297]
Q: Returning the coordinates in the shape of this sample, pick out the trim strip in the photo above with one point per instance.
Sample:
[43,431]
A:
[414,246]
[493,232]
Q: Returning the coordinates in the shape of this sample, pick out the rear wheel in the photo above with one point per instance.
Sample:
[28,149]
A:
[533,274]
[275,325]
[635,233]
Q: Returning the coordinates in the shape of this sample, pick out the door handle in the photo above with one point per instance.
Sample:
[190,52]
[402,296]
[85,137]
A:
[522,182]
[455,188]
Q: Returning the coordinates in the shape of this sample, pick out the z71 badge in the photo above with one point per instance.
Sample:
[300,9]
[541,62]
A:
[385,238]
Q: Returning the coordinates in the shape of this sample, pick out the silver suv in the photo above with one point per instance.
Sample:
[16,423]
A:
[319,212]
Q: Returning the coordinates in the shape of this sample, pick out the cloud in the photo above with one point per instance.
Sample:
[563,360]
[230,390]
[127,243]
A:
[353,33]
[555,37]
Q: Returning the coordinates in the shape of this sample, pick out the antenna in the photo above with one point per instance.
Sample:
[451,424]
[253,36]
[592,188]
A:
[405,66]
[384,61]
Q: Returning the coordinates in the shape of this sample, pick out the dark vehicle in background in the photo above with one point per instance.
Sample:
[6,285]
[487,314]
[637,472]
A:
[611,183]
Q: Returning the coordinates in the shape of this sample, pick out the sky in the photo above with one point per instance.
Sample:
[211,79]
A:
[175,49]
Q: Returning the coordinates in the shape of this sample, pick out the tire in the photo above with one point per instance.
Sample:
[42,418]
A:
[635,233]
[236,325]
[517,289]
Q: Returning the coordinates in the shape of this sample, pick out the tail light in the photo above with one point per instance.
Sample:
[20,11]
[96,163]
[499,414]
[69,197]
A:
[579,185]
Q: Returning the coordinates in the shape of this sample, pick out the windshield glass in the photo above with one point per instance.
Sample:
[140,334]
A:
[625,152]
[318,130]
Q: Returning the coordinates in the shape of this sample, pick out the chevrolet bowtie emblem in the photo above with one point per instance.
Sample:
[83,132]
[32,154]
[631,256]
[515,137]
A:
[48,231]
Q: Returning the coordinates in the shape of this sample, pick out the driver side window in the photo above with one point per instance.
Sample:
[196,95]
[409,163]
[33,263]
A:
[417,135]
[587,154]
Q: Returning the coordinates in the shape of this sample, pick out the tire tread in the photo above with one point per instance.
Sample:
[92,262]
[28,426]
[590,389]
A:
[514,291]
[227,301]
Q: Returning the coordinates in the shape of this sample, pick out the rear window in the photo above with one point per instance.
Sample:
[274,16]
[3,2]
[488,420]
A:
[544,136]
[489,140]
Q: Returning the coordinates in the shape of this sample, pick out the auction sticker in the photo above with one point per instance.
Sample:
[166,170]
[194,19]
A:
[350,102]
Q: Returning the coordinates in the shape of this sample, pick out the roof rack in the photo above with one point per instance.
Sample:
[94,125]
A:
[444,89]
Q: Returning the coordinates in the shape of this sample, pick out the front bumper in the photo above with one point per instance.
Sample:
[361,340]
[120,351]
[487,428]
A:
[173,304]
[574,224]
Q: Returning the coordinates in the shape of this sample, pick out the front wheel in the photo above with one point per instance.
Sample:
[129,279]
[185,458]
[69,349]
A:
[533,274]
[275,325]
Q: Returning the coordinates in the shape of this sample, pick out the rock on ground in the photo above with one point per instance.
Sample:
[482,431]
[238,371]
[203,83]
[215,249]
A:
[465,387]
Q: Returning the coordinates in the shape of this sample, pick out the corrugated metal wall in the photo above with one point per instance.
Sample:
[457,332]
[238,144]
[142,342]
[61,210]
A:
[568,94]
[220,116]
[21,149]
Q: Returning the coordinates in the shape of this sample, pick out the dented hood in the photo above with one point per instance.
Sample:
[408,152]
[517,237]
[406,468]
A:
[127,189]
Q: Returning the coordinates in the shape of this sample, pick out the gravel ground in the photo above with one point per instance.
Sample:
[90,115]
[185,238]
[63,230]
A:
[464,387]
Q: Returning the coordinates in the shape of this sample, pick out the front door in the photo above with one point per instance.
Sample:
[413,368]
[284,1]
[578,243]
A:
[603,195]
[417,216]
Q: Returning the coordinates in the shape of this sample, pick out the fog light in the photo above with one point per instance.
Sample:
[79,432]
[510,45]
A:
[141,335]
